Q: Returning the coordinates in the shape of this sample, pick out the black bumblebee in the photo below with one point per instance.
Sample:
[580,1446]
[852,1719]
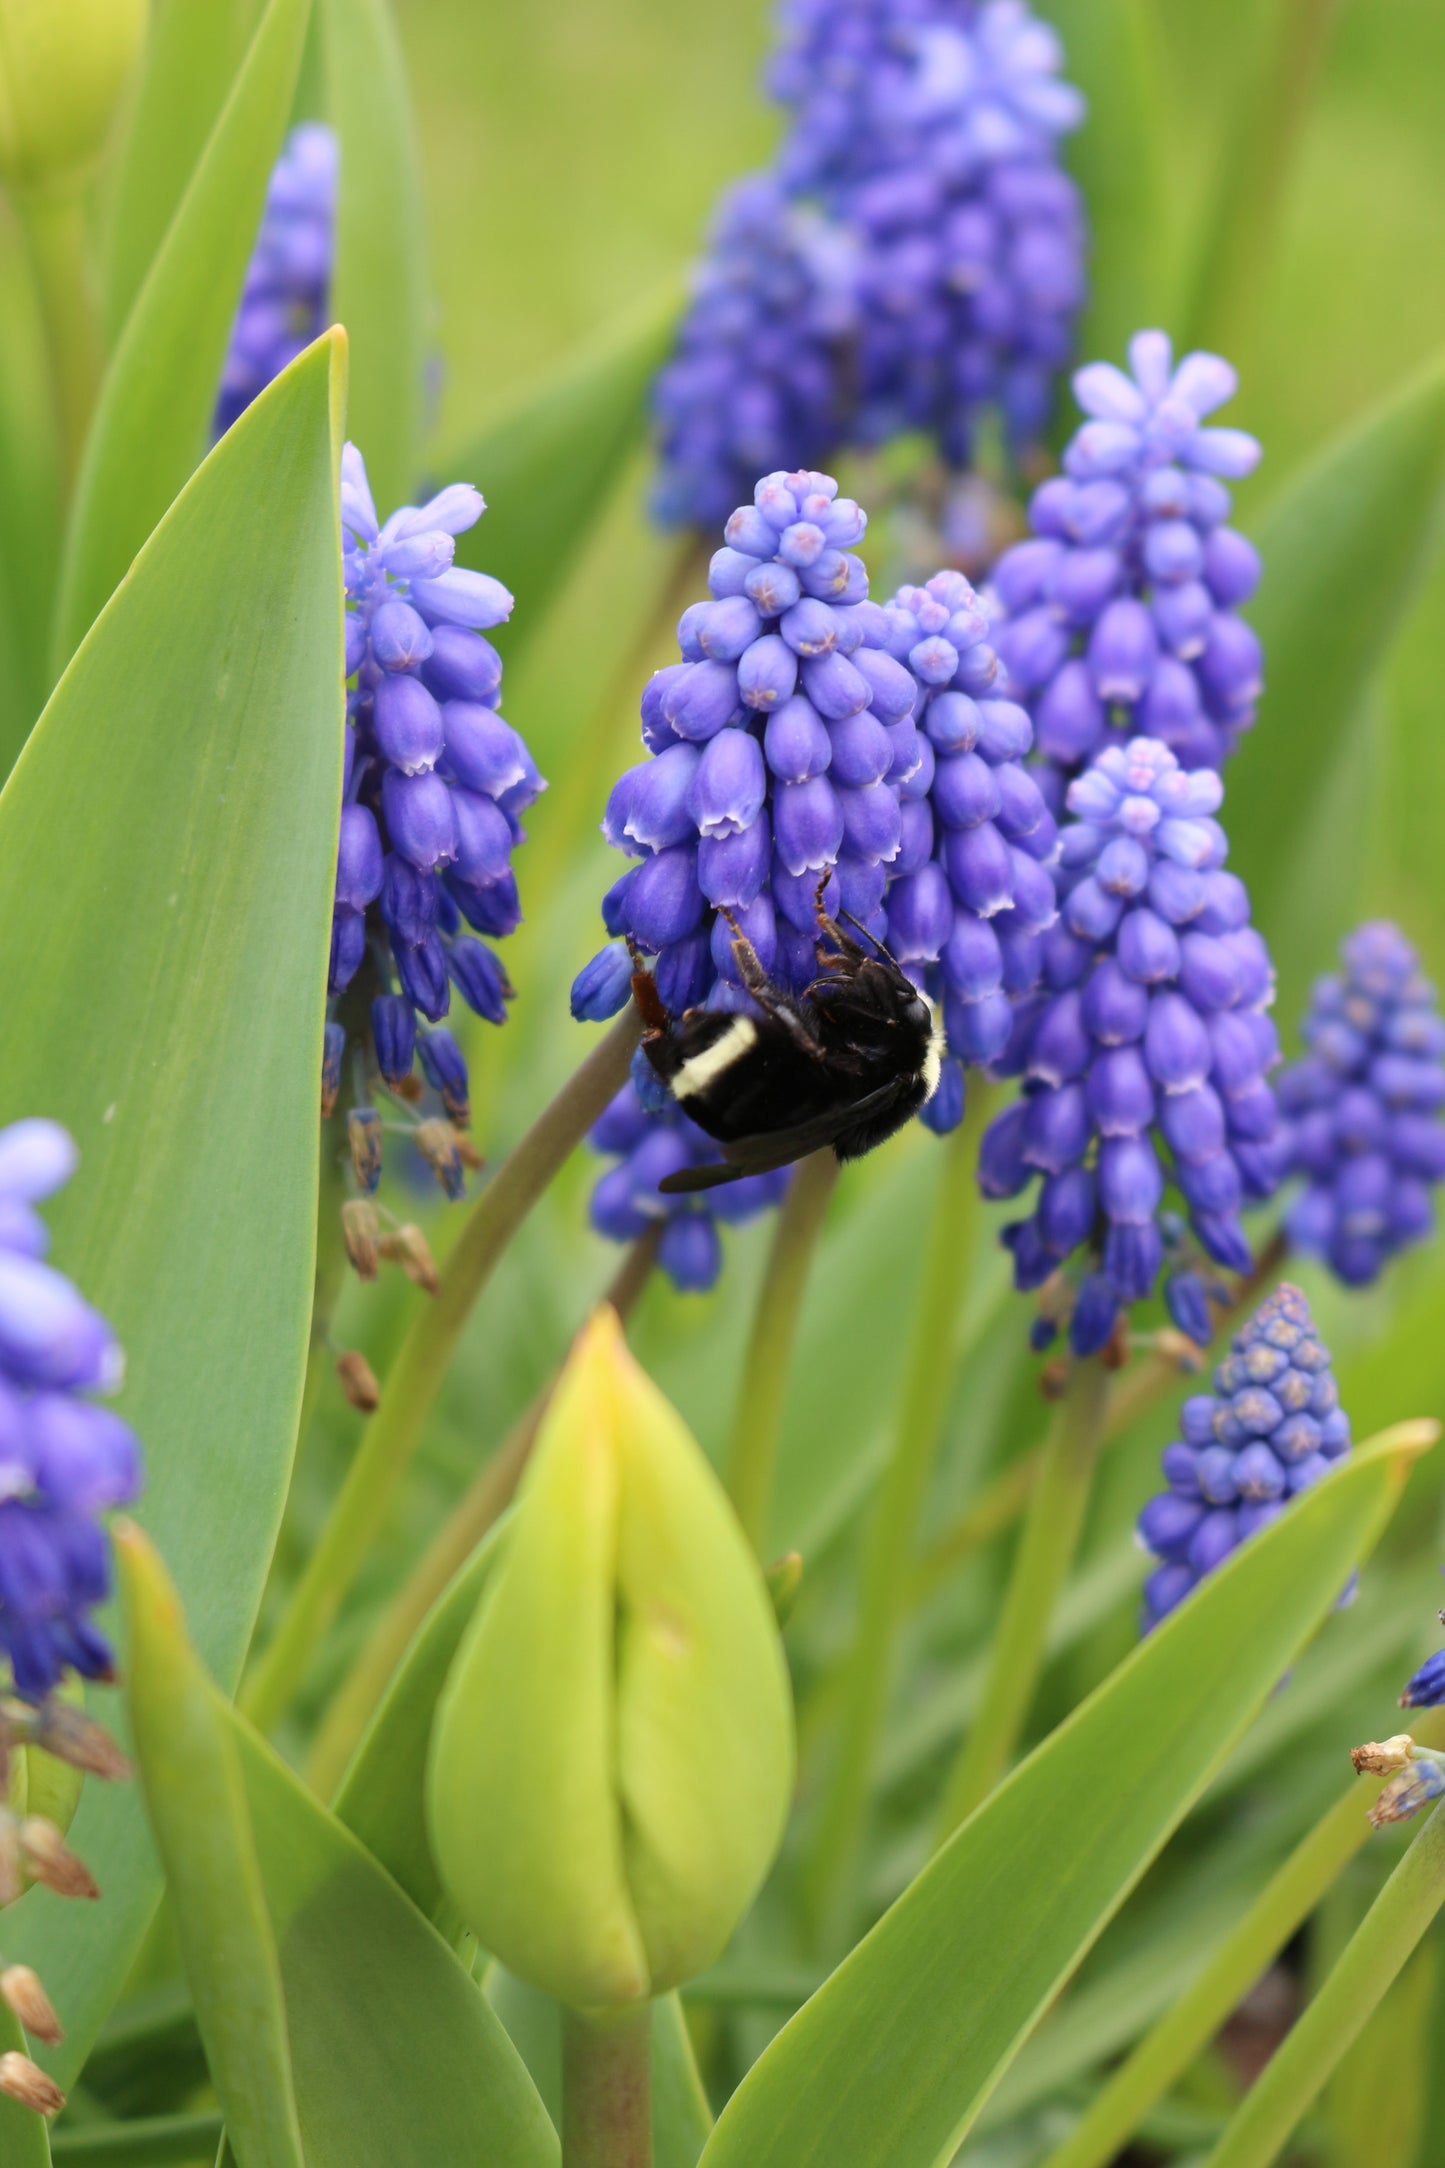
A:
[846,1063]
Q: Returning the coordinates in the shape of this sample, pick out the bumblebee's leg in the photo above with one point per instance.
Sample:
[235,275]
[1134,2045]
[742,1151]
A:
[656,1022]
[831,938]
[762,989]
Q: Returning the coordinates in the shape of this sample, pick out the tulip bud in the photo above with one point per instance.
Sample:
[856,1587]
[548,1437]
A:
[613,1753]
[64,65]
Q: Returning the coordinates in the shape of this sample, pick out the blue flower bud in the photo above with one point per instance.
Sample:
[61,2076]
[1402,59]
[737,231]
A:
[393,1031]
[603,986]
[446,1071]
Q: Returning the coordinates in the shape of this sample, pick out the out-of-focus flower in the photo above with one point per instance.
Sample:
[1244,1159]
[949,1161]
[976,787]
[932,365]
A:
[971,894]
[756,381]
[1120,616]
[1151,1031]
[1362,1108]
[1272,1426]
[64,66]
[435,786]
[288,280]
[64,1459]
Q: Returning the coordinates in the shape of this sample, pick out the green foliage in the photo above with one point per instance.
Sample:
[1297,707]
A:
[194,769]
[379,287]
[23,2140]
[151,424]
[943,1992]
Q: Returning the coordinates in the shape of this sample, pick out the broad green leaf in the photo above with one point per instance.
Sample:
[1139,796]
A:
[154,413]
[397,2055]
[379,287]
[24,2142]
[193,50]
[1344,547]
[1117,158]
[892,2059]
[190,1773]
[167,854]
[547,464]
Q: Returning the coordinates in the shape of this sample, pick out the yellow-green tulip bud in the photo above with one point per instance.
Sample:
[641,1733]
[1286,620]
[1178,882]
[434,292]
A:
[613,1754]
[64,65]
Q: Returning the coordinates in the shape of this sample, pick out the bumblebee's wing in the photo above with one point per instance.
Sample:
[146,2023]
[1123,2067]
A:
[774,1148]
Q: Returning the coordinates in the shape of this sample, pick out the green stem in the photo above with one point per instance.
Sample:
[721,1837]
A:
[752,1450]
[394,1432]
[481,1505]
[54,226]
[1313,2049]
[607,2088]
[1045,1552]
[934,1352]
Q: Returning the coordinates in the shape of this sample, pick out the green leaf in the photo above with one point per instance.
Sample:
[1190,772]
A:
[167,854]
[1344,546]
[1117,158]
[191,57]
[379,288]
[29,504]
[190,1773]
[154,413]
[547,464]
[892,2059]
[24,2142]
[143,2141]
[396,2053]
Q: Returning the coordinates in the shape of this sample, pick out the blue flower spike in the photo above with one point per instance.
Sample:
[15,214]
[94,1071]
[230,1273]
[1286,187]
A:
[1271,1427]
[285,299]
[1144,1055]
[436,785]
[1363,1108]
[1119,616]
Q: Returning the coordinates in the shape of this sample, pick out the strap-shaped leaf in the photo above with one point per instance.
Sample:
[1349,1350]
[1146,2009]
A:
[154,414]
[190,1773]
[192,54]
[1344,545]
[24,2139]
[167,846]
[379,288]
[889,2063]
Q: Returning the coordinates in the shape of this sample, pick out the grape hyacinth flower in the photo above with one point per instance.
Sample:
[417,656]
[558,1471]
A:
[64,1459]
[932,132]
[435,786]
[1120,615]
[1271,1427]
[1150,1031]
[288,280]
[1362,1108]
[780,748]
[971,895]
[652,1138]
[755,383]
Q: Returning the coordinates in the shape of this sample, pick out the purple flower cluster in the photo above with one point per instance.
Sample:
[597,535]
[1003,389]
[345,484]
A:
[1362,1108]
[63,1459]
[942,270]
[288,280]
[650,1137]
[1120,615]
[971,895]
[435,786]
[1272,1426]
[782,758]
[1150,1029]
[755,383]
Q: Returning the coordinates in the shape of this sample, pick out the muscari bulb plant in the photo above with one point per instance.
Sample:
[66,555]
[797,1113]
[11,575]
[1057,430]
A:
[553,1874]
[913,261]
[1119,617]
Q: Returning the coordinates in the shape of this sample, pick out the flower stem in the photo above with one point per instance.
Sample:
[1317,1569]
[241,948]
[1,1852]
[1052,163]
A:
[753,1444]
[1045,1552]
[394,1432]
[1312,2050]
[53,223]
[934,1352]
[607,2088]
[481,1505]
